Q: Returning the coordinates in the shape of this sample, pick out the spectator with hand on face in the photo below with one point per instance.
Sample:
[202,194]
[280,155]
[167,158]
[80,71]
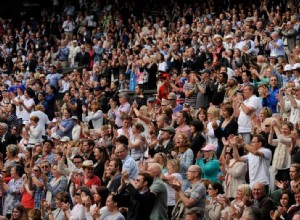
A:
[56,214]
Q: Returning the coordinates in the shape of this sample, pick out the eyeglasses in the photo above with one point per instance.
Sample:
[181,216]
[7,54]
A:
[77,194]
[44,167]
[77,162]
[119,152]
[210,189]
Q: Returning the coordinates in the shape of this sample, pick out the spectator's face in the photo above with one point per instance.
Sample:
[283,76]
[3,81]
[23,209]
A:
[121,151]
[45,168]
[16,214]
[180,119]
[294,173]
[247,93]
[88,171]
[85,147]
[297,198]
[258,191]
[110,204]
[77,162]
[245,78]
[112,168]
[139,183]
[126,123]
[284,200]
[47,148]
[273,81]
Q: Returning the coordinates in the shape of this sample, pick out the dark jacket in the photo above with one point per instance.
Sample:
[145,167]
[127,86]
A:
[166,149]
[83,59]
[266,204]
[140,204]
[8,139]
[197,143]
[230,128]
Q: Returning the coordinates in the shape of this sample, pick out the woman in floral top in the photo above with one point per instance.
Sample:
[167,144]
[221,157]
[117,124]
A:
[12,190]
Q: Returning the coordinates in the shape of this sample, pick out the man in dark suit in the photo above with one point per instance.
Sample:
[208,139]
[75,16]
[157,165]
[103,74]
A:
[82,57]
[141,199]
[6,138]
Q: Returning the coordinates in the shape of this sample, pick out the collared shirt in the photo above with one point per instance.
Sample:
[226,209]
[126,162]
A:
[122,108]
[130,166]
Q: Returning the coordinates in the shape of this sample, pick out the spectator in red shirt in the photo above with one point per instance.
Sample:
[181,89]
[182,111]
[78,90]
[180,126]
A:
[88,179]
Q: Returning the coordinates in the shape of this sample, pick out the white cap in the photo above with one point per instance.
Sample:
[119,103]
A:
[296,66]
[287,67]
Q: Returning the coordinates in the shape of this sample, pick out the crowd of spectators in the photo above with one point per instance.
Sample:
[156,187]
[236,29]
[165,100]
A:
[219,138]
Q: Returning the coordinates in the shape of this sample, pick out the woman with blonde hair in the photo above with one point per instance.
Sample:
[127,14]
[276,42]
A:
[213,116]
[243,192]
[262,122]
[172,172]
[185,156]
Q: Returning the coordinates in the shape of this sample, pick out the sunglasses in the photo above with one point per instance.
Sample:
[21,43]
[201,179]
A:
[45,167]
[35,170]
[77,194]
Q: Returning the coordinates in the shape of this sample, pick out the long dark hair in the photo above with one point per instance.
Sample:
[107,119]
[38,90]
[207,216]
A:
[104,152]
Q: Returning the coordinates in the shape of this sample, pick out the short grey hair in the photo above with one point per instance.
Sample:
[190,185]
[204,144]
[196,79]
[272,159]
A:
[13,149]
[196,211]
[4,126]
[253,213]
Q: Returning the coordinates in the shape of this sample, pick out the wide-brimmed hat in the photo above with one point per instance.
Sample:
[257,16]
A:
[88,163]
[65,139]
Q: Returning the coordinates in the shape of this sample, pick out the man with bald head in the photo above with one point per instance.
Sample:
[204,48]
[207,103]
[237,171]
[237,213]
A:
[160,210]
[262,201]
[193,197]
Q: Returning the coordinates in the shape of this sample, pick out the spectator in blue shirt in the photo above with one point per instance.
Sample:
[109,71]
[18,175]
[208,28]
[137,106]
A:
[65,125]
[267,99]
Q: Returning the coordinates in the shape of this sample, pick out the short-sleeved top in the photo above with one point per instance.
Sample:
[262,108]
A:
[259,166]
[130,166]
[198,192]
[244,120]
[24,114]
[53,79]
